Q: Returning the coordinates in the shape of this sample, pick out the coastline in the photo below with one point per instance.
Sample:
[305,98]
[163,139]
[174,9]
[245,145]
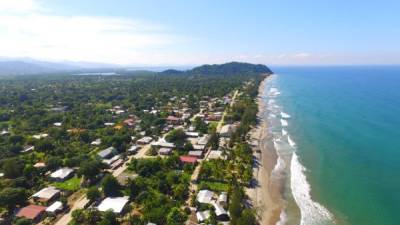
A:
[265,196]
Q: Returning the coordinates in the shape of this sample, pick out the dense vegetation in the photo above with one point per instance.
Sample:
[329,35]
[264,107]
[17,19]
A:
[82,106]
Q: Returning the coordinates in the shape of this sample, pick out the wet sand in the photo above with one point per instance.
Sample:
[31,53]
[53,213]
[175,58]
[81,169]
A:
[266,193]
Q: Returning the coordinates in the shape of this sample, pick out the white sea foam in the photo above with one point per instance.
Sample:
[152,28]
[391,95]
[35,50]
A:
[282,218]
[285,115]
[284,123]
[284,132]
[291,142]
[312,213]
[272,115]
[279,166]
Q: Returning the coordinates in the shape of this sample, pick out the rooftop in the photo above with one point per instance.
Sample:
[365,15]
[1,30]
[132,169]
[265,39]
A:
[46,193]
[31,211]
[205,196]
[62,173]
[116,204]
[188,159]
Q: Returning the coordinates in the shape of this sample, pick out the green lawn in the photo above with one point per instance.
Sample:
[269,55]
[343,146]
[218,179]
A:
[72,184]
[215,186]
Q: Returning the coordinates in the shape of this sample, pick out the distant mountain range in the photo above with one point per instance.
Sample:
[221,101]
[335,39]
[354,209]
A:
[26,66]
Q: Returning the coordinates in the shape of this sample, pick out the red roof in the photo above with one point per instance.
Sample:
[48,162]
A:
[31,211]
[172,118]
[188,159]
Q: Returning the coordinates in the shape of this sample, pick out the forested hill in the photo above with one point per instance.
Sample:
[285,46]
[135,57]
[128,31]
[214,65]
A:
[224,69]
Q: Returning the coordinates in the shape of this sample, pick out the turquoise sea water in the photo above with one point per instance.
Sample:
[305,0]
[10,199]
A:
[346,124]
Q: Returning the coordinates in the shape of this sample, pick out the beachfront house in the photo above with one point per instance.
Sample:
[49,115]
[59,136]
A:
[203,216]
[205,196]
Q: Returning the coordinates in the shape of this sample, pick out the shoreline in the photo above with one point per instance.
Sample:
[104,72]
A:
[265,196]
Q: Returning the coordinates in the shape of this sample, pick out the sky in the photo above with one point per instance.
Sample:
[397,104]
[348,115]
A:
[189,32]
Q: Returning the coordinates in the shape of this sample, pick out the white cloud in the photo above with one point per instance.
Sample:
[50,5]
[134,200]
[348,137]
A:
[38,34]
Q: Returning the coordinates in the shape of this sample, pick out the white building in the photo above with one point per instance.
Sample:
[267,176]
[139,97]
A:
[116,204]
[203,216]
[46,194]
[62,174]
[205,196]
[55,207]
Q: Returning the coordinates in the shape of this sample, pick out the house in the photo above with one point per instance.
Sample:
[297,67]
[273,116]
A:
[47,194]
[117,163]
[111,160]
[220,212]
[40,136]
[4,132]
[33,212]
[173,120]
[62,174]
[226,130]
[205,196]
[164,151]
[129,122]
[57,124]
[199,147]
[197,154]
[223,199]
[188,159]
[192,134]
[28,148]
[96,142]
[107,153]
[215,154]
[203,216]
[144,140]
[109,124]
[115,204]
[39,165]
[203,140]
[161,143]
[133,149]
[55,207]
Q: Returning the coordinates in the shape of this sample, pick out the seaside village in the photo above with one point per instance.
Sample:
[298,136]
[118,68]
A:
[188,140]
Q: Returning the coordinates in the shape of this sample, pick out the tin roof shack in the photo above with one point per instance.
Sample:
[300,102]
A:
[33,212]
[188,160]
[107,153]
[46,195]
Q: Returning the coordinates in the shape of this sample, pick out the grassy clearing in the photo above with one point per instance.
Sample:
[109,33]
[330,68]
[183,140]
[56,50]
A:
[72,184]
[214,186]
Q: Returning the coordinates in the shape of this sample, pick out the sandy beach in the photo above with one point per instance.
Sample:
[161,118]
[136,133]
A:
[265,195]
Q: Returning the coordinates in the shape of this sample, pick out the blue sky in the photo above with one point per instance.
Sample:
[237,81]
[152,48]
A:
[196,32]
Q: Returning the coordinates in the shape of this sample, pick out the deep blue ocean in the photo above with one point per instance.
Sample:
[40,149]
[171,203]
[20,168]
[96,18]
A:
[346,123]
